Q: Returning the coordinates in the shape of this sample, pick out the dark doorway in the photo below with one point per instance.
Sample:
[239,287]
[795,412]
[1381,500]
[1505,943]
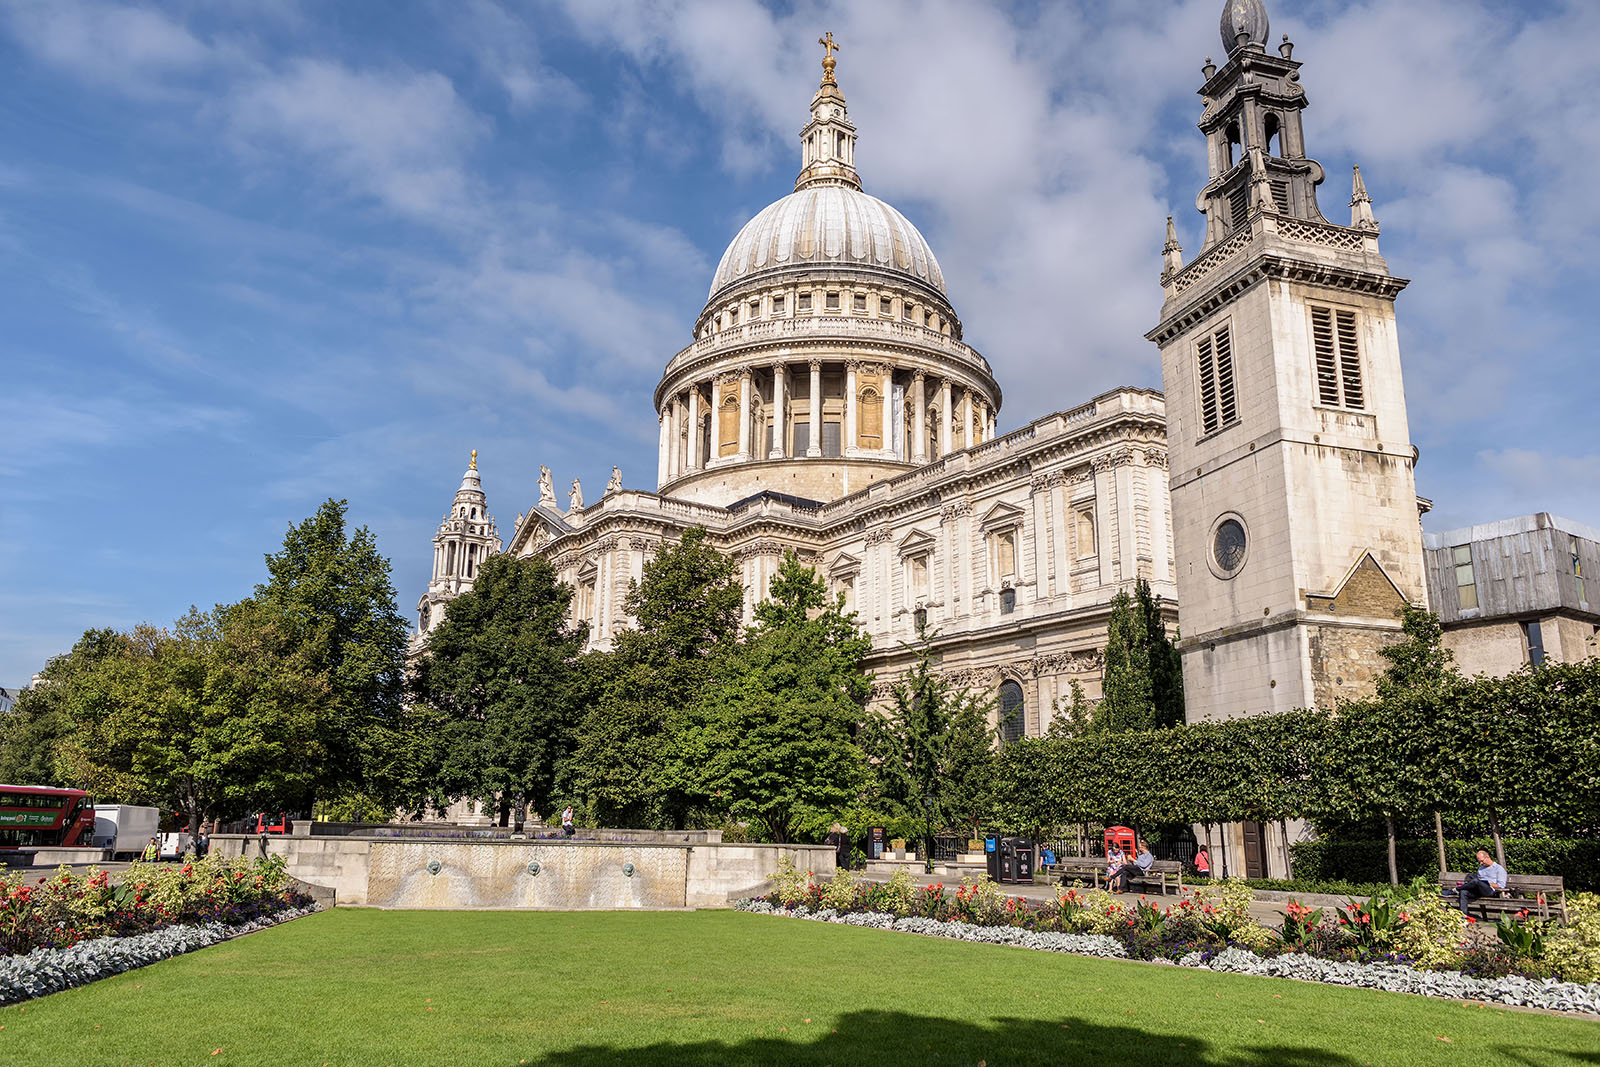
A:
[1255,850]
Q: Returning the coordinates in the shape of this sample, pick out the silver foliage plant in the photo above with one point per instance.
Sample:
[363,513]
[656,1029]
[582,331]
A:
[50,970]
[1547,994]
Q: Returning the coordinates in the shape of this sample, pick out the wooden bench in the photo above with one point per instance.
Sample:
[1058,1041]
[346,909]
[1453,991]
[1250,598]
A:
[1163,873]
[1543,895]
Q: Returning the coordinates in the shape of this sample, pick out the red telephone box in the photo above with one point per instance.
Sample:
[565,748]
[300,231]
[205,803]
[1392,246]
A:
[1119,837]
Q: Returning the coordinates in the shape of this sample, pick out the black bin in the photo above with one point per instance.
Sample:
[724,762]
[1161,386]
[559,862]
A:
[1016,861]
[991,856]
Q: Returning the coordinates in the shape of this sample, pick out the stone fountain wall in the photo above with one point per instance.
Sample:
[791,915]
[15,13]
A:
[561,875]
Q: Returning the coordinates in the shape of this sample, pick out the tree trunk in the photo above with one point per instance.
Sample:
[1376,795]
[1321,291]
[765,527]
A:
[1288,864]
[1222,835]
[1438,837]
[1499,842]
[1394,867]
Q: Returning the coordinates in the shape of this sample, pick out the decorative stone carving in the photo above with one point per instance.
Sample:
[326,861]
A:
[547,487]
[576,499]
[615,484]
[878,536]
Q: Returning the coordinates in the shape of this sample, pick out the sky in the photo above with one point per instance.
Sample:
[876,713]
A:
[258,254]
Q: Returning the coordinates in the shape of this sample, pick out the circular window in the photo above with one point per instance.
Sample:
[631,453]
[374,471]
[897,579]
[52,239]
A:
[1229,546]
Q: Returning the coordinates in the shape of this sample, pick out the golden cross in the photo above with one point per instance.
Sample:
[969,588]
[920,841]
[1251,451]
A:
[474,459]
[828,62]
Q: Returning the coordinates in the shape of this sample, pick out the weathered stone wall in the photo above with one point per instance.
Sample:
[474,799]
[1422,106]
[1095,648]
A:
[496,874]
[1345,661]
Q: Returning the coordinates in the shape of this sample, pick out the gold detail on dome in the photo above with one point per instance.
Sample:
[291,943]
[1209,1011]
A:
[474,465]
[828,62]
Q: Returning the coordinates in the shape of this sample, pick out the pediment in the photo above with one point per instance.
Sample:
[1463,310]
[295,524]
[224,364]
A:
[1366,590]
[1001,516]
[844,563]
[587,570]
[916,541]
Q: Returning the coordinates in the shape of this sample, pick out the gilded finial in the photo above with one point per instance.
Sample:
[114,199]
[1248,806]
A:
[828,62]
[474,465]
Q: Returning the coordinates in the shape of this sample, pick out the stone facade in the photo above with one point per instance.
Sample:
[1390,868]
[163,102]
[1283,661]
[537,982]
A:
[828,406]
[1291,452]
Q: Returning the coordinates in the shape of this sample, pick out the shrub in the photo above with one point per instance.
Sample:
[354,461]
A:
[1574,953]
[1430,933]
[979,902]
[841,891]
[1575,859]
[789,882]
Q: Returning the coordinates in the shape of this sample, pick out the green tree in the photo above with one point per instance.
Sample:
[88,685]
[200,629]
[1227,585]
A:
[1166,665]
[223,713]
[637,762]
[776,740]
[336,587]
[32,732]
[933,750]
[499,679]
[1142,687]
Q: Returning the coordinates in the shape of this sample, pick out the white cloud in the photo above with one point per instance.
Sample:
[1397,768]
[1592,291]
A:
[133,49]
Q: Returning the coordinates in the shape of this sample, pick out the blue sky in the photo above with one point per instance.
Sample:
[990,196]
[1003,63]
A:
[253,255]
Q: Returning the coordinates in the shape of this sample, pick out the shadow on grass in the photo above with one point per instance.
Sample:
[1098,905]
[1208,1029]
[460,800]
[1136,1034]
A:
[878,1037]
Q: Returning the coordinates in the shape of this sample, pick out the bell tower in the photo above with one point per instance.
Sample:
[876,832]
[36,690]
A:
[1294,506]
[465,538]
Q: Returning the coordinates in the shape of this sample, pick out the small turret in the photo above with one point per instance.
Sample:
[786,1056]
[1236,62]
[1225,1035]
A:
[465,538]
[1361,205]
[1171,253]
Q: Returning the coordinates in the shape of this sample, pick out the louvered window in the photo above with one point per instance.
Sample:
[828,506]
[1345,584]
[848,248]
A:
[1239,204]
[1280,193]
[1219,405]
[1338,358]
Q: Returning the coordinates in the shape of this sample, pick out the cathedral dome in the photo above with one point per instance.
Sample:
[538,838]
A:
[822,226]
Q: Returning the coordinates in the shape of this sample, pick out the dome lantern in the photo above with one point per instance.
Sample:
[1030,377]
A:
[828,141]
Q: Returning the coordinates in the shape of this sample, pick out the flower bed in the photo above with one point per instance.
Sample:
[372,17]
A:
[50,970]
[60,910]
[1406,941]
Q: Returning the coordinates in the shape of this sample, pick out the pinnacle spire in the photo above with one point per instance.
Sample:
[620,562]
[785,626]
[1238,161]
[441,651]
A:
[1361,204]
[828,141]
[1172,253]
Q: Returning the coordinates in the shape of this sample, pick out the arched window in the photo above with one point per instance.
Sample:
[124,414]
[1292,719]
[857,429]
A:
[728,427]
[1011,713]
[1274,141]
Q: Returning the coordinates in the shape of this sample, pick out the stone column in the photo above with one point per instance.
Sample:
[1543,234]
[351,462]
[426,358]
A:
[993,424]
[661,446]
[695,459]
[679,447]
[946,418]
[850,406]
[814,438]
[919,418]
[744,414]
[779,397]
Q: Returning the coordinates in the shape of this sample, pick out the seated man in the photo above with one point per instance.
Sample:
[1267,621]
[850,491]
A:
[1490,880]
[1140,866]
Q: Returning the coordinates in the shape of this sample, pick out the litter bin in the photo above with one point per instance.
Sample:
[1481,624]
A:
[991,856]
[875,842]
[1024,852]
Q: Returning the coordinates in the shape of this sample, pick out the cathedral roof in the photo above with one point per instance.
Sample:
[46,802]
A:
[828,226]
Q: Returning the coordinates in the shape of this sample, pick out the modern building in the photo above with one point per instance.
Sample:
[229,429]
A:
[1516,592]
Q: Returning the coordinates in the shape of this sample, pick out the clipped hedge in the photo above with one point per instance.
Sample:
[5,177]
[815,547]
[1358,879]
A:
[1575,859]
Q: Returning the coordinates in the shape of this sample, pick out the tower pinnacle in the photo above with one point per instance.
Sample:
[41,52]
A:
[828,141]
[1361,205]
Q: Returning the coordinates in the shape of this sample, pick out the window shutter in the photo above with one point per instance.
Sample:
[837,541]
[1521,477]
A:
[1327,363]
[1350,360]
[832,438]
[1227,403]
[1280,194]
[1208,387]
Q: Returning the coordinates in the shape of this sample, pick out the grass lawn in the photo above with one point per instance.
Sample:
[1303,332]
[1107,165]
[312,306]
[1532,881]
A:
[355,986]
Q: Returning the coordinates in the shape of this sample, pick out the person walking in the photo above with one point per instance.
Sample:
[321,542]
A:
[202,845]
[1202,863]
[566,822]
[152,851]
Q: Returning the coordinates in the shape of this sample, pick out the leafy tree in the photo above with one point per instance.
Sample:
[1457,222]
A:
[637,762]
[1419,664]
[933,749]
[1143,682]
[776,740]
[499,679]
[32,732]
[337,588]
[222,713]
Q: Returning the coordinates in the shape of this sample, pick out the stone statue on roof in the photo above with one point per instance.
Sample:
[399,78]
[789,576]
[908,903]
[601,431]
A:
[576,500]
[615,484]
[547,487]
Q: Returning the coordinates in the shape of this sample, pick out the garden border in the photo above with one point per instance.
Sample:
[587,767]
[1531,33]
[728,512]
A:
[53,970]
[1566,998]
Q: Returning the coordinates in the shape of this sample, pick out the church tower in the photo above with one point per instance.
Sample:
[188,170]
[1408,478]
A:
[1294,506]
[466,537]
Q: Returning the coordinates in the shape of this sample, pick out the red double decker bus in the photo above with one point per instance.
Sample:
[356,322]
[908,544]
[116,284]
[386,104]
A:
[39,816]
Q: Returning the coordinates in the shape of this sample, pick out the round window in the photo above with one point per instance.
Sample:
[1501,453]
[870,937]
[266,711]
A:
[1228,546]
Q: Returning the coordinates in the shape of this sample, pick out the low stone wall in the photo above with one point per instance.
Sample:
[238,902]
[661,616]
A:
[398,873]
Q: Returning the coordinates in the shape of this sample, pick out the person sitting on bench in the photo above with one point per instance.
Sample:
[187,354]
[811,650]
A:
[1140,868]
[1489,881]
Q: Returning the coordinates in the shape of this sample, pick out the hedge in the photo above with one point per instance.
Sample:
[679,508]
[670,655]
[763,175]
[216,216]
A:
[1575,859]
